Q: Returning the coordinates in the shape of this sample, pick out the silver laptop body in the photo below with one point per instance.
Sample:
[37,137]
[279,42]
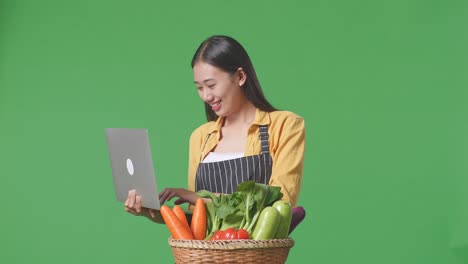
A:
[132,165]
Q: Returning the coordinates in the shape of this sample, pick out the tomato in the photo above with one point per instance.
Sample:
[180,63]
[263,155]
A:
[218,235]
[230,233]
[242,234]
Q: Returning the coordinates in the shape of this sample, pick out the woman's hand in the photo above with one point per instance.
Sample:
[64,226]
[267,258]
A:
[184,195]
[133,206]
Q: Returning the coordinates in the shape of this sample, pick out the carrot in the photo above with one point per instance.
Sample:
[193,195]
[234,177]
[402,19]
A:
[181,215]
[177,229]
[198,224]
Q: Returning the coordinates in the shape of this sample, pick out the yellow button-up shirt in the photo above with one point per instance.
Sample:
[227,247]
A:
[287,145]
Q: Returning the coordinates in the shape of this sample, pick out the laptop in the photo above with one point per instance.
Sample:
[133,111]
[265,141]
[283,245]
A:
[132,165]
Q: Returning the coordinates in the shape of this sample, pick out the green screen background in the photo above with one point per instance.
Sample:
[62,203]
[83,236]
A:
[381,85]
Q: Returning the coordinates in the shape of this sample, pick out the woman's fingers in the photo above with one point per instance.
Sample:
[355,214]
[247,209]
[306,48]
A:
[185,196]
[130,210]
[138,203]
[166,195]
[131,196]
[162,196]
[180,201]
[133,203]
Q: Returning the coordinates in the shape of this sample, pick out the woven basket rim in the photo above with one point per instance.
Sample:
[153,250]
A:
[232,244]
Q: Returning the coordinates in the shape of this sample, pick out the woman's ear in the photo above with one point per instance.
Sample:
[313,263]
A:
[241,76]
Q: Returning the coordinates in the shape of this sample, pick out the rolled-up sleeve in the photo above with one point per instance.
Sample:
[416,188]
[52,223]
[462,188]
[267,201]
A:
[288,157]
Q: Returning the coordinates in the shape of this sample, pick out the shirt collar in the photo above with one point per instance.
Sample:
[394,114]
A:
[262,118]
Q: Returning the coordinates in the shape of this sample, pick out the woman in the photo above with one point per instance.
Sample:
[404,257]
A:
[245,138]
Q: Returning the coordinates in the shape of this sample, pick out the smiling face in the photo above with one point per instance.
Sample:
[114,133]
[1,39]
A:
[220,89]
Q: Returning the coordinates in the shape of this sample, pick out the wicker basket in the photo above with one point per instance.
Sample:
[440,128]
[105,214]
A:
[231,251]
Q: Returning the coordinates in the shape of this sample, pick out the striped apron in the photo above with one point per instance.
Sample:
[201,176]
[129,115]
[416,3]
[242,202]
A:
[224,176]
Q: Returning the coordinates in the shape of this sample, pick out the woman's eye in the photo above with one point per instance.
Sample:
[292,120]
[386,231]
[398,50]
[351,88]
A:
[211,86]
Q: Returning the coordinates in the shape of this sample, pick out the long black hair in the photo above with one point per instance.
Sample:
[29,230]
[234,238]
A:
[228,55]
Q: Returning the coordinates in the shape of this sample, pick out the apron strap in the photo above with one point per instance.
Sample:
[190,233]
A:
[264,139]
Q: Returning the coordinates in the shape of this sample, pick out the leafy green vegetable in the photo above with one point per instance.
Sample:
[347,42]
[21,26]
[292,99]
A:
[240,209]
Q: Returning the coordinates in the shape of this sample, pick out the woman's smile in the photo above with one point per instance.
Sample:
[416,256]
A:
[216,105]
